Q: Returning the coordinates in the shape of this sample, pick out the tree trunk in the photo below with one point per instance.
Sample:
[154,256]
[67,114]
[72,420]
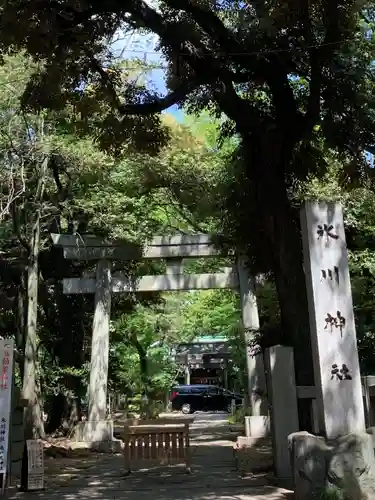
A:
[34,427]
[143,368]
[56,413]
[267,166]
[21,321]
[64,414]
[33,421]
[64,315]
[292,293]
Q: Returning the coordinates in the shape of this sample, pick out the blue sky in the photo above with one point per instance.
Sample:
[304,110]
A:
[144,47]
[157,81]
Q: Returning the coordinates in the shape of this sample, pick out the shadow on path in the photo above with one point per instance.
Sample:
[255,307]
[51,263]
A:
[213,476]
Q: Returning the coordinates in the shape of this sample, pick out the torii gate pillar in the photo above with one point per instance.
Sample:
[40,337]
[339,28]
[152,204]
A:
[100,343]
[250,323]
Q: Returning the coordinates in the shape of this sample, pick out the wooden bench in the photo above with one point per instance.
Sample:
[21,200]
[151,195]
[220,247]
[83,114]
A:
[161,441]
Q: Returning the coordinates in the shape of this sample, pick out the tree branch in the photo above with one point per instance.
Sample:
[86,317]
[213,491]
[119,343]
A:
[282,93]
[154,105]
[185,45]
[313,105]
[319,55]
[237,109]
[179,207]
[56,175]
[270,71]
[17,229]
[212,25]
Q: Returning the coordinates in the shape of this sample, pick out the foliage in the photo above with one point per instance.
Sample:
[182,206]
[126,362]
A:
[74,166]
[211,312]
[238,416]
[292,79]
[214,50]
[140,357]
[40,161]
[130,206]
[332,493]
[290,125]
[139,405]
[357,197]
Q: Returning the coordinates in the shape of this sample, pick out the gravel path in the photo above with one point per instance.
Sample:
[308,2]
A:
[213,477]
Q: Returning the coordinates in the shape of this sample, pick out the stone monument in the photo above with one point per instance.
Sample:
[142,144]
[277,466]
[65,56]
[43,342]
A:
[282,397]
[332,328]
[342,458]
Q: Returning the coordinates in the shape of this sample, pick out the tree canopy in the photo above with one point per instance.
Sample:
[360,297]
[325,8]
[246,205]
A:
[287,63]
[291,78]
[283,99]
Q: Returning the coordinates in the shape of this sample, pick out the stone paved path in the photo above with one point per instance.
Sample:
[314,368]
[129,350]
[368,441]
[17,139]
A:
[214,475]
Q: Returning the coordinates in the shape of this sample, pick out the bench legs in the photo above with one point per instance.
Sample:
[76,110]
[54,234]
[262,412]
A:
[127,463]
[188,462]
[131,453]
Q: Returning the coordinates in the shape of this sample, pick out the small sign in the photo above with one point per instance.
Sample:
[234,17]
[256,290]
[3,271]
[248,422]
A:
[6,375]
[35,464]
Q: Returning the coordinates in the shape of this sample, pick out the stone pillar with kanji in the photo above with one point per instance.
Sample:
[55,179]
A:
[332,327]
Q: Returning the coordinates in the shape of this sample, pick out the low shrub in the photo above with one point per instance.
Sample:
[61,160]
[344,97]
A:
[238,417]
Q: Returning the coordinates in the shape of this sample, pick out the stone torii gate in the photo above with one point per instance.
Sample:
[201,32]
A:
[173,249]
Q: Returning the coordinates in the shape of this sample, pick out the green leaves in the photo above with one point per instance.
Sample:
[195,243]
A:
[212,312]
[140,352]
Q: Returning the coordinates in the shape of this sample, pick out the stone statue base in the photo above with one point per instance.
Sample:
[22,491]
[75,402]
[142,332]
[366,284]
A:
[97,436]
[345,465]
[257,426]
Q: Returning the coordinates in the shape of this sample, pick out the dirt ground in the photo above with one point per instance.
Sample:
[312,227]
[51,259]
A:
[63,462]
[80,474]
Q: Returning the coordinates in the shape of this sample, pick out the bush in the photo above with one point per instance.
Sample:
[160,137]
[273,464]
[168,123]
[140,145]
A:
[239,415]
[145,408]
[331,493]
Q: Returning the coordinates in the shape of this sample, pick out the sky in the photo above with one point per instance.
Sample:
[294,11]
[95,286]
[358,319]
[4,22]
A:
[144,47]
